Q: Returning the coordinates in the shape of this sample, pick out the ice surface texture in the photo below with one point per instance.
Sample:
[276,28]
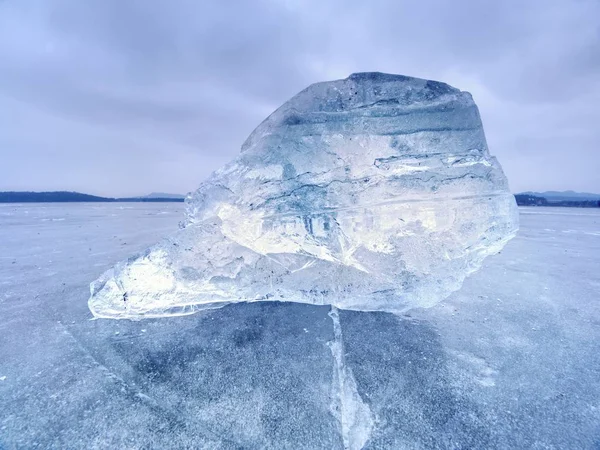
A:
[376,192]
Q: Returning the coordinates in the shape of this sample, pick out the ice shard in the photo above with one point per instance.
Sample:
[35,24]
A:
[376,192]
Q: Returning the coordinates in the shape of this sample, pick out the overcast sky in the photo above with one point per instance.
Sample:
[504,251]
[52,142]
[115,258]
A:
[122,97]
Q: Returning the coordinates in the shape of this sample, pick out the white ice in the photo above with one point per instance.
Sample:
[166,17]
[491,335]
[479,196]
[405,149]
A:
[509,361]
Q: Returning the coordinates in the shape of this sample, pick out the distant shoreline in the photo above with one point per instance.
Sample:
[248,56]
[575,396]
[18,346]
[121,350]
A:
[77,197]
[535,200]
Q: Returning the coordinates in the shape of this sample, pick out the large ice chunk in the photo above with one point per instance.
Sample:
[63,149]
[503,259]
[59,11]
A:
[376,192]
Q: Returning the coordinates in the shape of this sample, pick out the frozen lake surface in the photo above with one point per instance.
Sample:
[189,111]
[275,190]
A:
[512,360]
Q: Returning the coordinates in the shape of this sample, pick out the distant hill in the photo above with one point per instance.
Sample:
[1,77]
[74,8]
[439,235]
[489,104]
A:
[163,195]
[64,196]
[526,199]
[554,198]
[569,196]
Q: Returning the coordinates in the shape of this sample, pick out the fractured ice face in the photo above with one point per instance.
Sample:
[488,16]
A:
[376,192]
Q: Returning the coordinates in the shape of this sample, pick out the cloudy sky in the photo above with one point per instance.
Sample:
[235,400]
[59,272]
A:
[125,97]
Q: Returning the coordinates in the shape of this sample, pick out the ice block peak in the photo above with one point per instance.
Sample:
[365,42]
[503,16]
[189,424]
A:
[375,192]
[381,77]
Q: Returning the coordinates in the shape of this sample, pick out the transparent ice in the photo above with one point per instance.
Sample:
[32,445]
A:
[376,193]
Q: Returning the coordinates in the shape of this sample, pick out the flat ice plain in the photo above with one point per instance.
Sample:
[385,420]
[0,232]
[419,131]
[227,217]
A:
[511,360]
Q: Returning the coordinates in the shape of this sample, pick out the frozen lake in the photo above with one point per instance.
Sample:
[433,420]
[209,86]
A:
[512,360]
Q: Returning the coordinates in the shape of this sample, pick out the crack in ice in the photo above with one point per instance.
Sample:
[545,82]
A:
[354,416]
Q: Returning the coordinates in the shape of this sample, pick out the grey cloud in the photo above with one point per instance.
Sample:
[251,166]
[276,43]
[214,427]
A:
[121,92]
